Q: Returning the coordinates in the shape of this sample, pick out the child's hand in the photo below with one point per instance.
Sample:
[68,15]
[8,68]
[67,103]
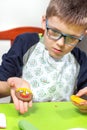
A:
[15,83]
[82,92]
[79,101]
[83,105]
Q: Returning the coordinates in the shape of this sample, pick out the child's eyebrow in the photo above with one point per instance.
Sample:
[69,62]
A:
[57,30]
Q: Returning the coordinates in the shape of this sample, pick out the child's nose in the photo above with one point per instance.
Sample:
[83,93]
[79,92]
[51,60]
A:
[60,41]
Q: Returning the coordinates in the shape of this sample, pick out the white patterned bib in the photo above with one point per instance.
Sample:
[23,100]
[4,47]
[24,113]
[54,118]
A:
[50,79]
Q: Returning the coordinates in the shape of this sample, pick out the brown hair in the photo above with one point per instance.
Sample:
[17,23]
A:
[70,11]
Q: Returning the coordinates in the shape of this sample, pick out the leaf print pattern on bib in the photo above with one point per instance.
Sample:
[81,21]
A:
[35,83]
[38,71]
[50,79]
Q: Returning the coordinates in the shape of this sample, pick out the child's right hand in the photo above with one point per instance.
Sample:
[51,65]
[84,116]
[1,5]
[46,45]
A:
[15,83]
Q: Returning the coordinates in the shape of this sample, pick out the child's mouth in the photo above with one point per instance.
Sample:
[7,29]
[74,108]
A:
[57,50]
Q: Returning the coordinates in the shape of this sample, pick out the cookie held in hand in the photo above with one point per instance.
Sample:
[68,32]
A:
[77,100]
[24,94]
[80,103]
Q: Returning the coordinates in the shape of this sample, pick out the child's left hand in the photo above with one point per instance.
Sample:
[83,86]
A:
[83,104]
[15,83]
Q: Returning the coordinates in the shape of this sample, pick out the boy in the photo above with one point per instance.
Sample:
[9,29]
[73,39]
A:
[50,69]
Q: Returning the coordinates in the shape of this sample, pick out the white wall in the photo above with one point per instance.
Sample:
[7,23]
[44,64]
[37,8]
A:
[15,13]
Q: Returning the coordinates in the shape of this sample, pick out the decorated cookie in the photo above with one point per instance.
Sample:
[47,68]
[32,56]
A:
[24,94]
[25,125]
[80,103]
[76,99]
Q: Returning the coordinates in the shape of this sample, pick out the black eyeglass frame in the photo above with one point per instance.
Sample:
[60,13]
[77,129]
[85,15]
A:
[63,35]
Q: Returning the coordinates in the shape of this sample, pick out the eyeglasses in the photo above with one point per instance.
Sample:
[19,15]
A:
[56,35]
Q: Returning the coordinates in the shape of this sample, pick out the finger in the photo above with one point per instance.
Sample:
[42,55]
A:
[82,92]
[11,82]
[15,100]
[75,104]
[30,103]
[83,111]
[23,106]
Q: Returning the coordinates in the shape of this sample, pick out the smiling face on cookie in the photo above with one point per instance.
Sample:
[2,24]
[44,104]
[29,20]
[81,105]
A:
[24,94]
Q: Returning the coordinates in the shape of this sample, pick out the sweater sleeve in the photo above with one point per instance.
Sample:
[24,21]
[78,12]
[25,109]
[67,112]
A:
[81,58]
[12,62]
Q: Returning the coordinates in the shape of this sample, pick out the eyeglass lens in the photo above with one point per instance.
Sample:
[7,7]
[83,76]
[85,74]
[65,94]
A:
[55,35]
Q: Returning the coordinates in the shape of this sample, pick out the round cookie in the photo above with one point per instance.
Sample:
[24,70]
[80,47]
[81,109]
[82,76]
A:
[24,94]
[77,99]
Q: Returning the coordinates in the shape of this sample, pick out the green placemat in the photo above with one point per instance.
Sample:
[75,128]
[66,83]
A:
[46,116]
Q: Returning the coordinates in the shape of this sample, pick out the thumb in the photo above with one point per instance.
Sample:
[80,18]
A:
[11,82]
[82,92]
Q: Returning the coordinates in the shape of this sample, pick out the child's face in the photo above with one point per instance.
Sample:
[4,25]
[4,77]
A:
[55,42]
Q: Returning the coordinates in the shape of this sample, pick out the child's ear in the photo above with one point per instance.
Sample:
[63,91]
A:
[44,22]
